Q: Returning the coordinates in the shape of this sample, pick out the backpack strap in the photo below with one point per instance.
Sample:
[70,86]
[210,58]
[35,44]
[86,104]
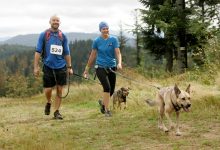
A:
[48,32]
[47,35]
[47,38]
[60,35]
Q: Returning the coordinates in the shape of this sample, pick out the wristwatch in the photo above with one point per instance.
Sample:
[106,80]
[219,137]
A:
[69,67]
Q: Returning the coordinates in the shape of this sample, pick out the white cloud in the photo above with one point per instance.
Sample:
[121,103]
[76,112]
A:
[25,16]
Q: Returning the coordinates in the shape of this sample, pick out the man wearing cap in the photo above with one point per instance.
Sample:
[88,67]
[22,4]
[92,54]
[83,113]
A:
[105,49]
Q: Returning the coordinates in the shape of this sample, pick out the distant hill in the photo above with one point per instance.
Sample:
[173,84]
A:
[31,39]
[4,38]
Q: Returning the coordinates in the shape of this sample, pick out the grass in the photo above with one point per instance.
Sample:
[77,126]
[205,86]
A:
[23,125]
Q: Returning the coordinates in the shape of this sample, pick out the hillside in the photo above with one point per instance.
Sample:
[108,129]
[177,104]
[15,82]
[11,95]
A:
[31,39]
[23,125]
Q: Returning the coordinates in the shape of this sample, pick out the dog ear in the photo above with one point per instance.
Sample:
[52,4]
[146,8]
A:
[177,90]
[188,89]
[120,91]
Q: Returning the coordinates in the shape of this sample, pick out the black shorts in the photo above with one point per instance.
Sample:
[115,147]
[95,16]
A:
[54,77]
[107,79]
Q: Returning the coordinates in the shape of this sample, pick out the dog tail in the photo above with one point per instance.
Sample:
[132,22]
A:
[150,102]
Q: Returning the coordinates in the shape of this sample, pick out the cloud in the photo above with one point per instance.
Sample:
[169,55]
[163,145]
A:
[25,16]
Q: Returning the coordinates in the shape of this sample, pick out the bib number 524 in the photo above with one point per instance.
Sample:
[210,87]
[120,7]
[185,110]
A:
[56,49]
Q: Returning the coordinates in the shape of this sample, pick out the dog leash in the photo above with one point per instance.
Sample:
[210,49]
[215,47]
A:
[68,83]
[68,88]
[135,81]
[86,78]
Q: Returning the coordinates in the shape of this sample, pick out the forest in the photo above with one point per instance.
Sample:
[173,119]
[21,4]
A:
[16,64]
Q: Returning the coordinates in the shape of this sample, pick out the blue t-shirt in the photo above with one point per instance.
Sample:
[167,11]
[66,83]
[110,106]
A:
[105,51]
[53,58]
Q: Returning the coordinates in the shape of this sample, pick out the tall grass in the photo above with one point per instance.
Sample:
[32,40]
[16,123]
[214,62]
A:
[23,125]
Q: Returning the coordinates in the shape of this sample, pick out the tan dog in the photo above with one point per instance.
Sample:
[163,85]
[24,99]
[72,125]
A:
[170,99]
[120,96]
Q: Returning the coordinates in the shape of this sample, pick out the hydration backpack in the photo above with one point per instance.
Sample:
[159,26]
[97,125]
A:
[47,38]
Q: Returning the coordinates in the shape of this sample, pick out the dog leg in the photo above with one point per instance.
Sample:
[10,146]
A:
[159,100]
[167,114]
[171,124]
[178,133]
[161,125]
[160,119]
[119,104]
[114,103]
[125,105]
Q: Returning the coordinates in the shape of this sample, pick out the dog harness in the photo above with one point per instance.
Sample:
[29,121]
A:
[176,107]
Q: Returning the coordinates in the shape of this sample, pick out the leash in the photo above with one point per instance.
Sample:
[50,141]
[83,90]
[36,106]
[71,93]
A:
[68,85]
[135,81]
[68,82]
[68,88]
[86,78]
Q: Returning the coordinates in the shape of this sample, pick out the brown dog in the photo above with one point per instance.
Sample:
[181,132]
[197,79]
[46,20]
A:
[170,99]
[120,96]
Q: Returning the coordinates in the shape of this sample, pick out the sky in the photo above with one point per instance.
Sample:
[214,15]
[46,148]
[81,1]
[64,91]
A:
[19,17]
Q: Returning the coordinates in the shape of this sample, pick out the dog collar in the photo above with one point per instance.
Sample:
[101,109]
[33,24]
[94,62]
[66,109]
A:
[176,107]
[124,98]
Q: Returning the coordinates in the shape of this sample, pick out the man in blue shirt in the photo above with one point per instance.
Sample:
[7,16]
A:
[53,47]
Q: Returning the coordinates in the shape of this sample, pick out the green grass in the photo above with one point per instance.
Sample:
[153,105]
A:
[23,125]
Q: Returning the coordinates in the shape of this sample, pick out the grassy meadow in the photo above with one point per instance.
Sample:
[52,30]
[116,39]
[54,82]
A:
[23,125]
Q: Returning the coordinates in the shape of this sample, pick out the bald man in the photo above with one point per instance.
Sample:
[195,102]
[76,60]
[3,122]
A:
[54,49]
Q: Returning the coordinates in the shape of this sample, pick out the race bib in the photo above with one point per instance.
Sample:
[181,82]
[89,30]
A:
[56,49]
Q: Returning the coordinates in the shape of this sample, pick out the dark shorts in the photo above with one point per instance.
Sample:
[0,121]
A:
[107,79]
[54,77]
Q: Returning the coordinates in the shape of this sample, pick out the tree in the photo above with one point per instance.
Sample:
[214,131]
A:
[2,79]
[182,50]
[122,40]
[159,18]
[137,33]
[206,14]
[16,86]
[184,28]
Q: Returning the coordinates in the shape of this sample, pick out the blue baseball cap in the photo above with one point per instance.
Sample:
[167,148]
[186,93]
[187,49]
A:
[103,25]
